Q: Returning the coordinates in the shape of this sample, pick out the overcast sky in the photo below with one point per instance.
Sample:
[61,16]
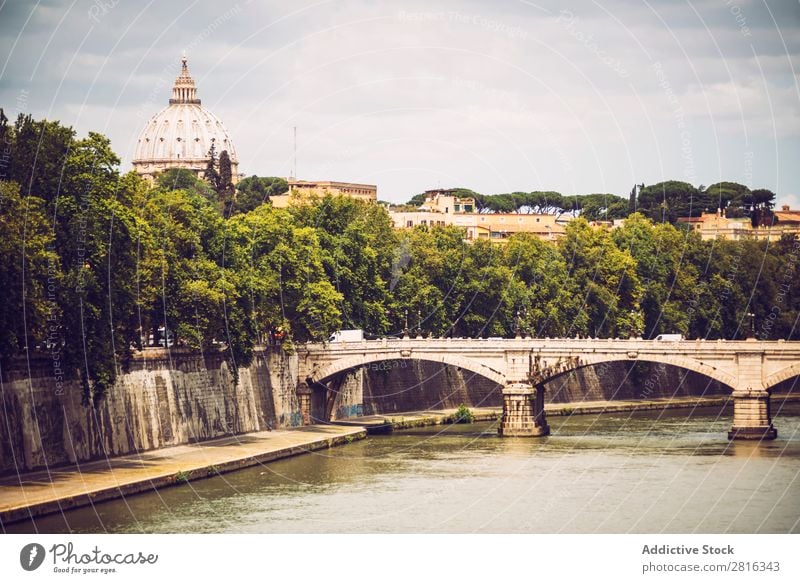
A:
[496,96]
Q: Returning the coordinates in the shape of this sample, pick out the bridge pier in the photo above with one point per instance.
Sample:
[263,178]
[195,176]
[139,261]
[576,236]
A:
[523,411]
[304,401]
[752,418]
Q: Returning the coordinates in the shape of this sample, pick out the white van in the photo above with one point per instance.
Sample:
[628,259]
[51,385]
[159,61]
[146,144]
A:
[669,337]
[347,336]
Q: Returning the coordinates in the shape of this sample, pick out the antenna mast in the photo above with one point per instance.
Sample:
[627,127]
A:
[294,169]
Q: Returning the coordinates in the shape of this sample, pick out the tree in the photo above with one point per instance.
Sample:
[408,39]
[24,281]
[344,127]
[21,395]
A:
[763,201]
[430,272]
[225,188]
[38,152]
[607,278]
[211,174]
[666,201]
[253,191]
[96,237]
[548,301]
[177,179]
[29,271]
[669,281]
[730,197]
[601,207]
[357,242]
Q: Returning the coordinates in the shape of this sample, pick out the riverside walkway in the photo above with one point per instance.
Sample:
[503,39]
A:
[63,488]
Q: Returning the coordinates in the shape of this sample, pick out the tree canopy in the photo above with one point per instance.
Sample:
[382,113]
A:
[96,264]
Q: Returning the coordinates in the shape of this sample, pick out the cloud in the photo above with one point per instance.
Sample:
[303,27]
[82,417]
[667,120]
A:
[497,97]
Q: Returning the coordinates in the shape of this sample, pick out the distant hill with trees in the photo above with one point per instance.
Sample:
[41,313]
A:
[662,202]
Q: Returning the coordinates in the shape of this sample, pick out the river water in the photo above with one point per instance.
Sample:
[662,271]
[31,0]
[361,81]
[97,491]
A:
[661,471]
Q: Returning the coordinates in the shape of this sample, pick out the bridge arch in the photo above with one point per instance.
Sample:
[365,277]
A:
[559,369]
[784,374]
[357,361]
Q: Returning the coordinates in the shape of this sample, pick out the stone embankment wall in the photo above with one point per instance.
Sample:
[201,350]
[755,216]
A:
[165,398]
[174,397]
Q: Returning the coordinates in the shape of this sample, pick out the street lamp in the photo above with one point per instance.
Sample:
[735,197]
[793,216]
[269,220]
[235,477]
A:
[405,324]
[752,317]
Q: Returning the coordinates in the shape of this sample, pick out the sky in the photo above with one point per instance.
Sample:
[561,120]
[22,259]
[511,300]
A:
[496,96]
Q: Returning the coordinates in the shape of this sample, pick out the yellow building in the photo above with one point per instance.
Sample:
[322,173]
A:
[444,201]
[303,189]
[442,208]
[717,226]
[502,225]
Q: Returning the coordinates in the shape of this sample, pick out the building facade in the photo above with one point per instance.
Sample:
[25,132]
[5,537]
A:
[441,208]
[717,226]
[182,134]
[300,190]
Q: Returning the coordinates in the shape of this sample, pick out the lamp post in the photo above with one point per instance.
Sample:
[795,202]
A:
[517,331]
[752,317]
[405,324]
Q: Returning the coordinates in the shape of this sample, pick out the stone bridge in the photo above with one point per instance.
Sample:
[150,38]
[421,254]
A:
[522,365]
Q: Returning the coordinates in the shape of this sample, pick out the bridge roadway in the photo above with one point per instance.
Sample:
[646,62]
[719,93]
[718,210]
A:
[522,365]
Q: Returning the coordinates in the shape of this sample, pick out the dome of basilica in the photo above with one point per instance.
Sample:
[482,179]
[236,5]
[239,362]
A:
[181,134]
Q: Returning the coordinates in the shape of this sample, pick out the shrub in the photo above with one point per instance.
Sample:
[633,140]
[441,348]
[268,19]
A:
[463,415]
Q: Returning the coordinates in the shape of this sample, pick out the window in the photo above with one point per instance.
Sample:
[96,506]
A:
[456,208]
[424,222]
[409,224]
[467,208]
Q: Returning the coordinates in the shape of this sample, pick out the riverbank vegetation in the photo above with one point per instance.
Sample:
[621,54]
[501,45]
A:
[96,264]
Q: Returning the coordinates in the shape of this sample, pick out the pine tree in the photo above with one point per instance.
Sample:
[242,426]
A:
[211,174]
[225,188]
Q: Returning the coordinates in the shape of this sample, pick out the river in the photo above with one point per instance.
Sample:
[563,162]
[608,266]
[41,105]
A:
[658,471]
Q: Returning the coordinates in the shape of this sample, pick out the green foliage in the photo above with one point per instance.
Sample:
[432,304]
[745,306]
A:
[95,264]
[735,199]
[666,201]
[357,244]
[38,153]
[28,269]
[668,280]
[211,174]
[225,188]
[180,179]
[463,415]
[253,191]
[607,278]
[601,207]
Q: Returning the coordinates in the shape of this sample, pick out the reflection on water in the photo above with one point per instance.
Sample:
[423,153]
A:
[657,471]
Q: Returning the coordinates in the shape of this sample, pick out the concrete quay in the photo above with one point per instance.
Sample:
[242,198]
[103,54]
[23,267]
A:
[43,492]
[384,423]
